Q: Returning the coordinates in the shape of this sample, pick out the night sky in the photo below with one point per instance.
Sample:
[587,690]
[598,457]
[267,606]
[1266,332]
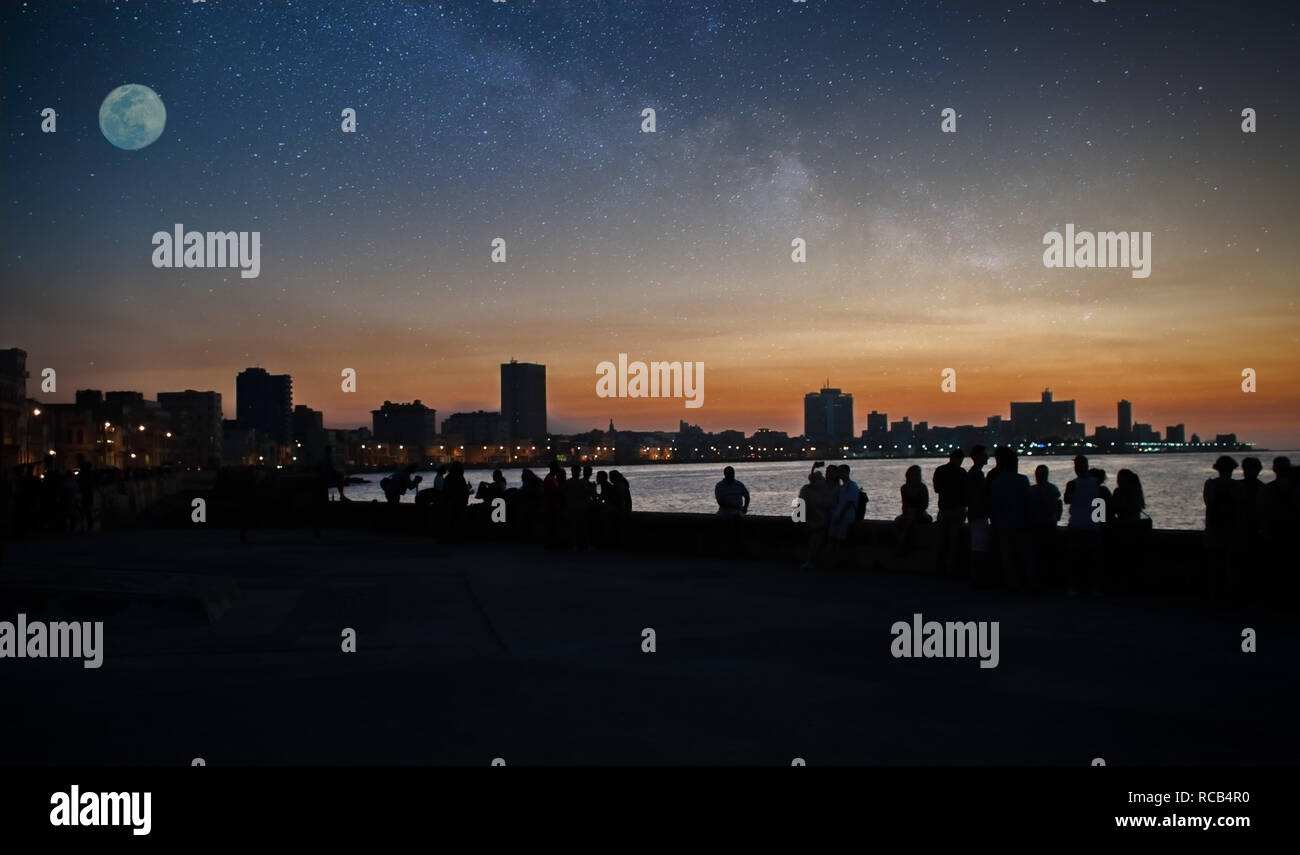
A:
[775,120]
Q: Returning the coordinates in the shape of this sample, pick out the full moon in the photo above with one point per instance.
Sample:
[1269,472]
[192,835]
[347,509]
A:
[132,116]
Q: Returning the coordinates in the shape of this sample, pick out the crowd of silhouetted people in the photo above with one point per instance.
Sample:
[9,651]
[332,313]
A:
[575,509]
[994,527]
[65,501]
[998,527]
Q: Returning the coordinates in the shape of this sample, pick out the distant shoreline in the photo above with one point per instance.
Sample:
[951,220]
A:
[810,459]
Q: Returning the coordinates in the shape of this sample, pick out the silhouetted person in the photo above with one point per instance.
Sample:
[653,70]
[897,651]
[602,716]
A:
[914,498]
[1279,514]
[731,495]
[1127,526]
[623,493]
[1043,515]
[1008,514]
[1249,525]
[329,477]
[950,494]
[818,499]
[1083,531]
[1248,489]
[1220,496]
[977,510]
[455,498]
[844,515]
[396,485]
[494,489]
[1277,499]
[553,503]
[577,508]
[1128,501]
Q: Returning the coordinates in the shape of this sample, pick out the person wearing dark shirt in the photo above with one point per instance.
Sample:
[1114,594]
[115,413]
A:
[1044,511]
[553,504]
[1128,502]
[914,497]
[817,497]
[950,495]
[977,510]
[1008,492]
[1126,527]
[1220,496]
[731,495]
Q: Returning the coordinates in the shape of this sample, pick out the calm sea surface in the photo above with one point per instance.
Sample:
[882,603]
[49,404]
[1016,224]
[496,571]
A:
[1172,482]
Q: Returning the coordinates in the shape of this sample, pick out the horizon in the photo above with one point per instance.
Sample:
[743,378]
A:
[228,397]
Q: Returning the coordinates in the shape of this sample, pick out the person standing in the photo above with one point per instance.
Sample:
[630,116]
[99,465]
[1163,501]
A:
[843,515]
[818,498]
[977,509]
[914,497]
[1008,508]
[1087,510]
[950,490]
[1044,513]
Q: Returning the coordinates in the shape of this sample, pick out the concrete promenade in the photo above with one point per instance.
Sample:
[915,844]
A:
[231,652]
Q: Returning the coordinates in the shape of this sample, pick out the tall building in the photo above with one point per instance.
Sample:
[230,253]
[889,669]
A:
[476,428]
[1125,420]
[1176,433]
[523,401]
[877,432]
[1045,419]
[413,425]
[828,415]
[196,438]
[309,438]
[265,402]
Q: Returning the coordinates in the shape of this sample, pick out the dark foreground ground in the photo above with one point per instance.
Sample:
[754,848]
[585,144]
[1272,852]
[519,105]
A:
[473,653]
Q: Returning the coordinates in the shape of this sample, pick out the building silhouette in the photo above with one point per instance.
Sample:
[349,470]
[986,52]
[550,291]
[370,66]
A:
[523,401]
[1045,419]
[877,432]
[901,433]
[13,406]
[1124,420]
[308,434]
[264,402]
[828,415]
[1176,433]
[195,426]
[413,425]
[477,428]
